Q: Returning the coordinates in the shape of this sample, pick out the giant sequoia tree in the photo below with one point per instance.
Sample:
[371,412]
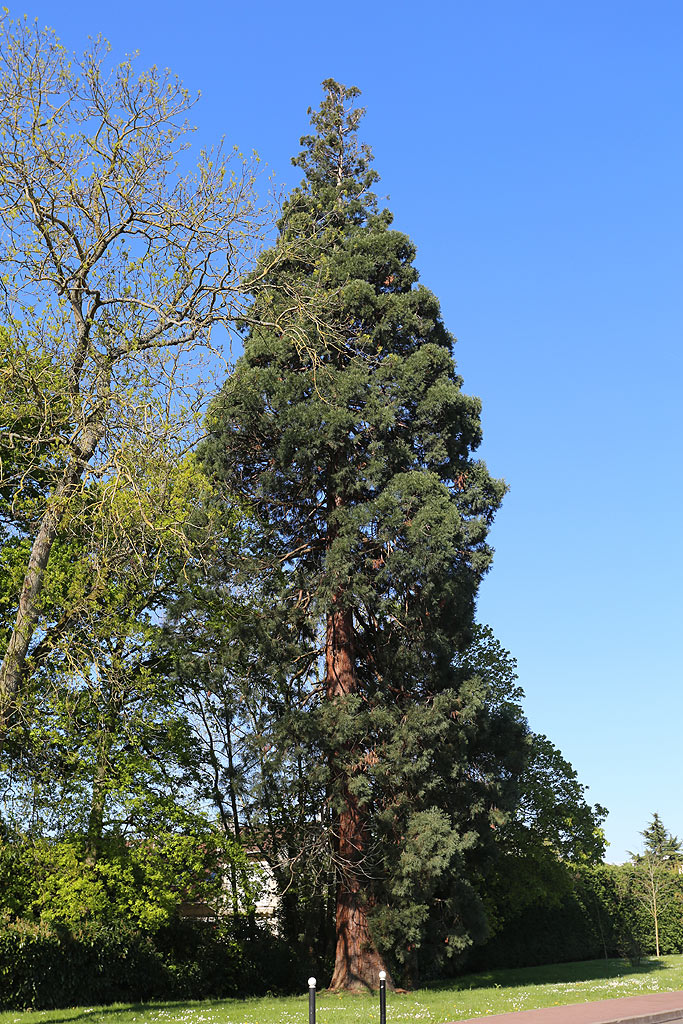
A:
[349,440]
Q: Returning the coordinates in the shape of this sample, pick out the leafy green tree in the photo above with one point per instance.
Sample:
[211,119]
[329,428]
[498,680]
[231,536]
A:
[99,793]
[107,749]
[654,887]
[230,649]
[350,442]
[116,271]
[102,733]
[100,751]
[551,826]
[552,813]
[551,810]
[140,882]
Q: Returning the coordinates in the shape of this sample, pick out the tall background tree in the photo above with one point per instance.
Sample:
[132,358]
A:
[350,442]
[653,879]
[660,844]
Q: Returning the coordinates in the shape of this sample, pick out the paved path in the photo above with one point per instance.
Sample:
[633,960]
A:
[654,1008]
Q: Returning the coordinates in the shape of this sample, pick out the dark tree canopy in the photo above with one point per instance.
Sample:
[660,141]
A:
[660,844]
[350,442]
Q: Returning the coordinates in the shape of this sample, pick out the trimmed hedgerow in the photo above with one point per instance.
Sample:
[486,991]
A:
[47,966]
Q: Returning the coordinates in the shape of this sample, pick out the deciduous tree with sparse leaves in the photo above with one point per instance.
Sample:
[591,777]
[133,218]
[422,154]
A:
[117,267]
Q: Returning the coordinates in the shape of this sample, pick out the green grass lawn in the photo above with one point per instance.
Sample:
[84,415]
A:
[473,995]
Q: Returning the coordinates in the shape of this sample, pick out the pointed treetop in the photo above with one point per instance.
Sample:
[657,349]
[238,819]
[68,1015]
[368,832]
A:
[660,844]
[333,155]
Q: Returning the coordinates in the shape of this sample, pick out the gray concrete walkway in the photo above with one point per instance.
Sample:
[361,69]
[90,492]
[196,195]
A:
[654,1008]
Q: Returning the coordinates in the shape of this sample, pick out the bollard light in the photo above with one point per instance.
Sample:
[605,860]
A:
[382,997]
[311,1001]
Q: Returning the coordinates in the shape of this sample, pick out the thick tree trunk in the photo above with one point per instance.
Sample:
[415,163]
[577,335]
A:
[357,961]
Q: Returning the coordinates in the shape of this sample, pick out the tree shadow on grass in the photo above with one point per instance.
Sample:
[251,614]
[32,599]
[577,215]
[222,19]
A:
[550,974]
[80,1016]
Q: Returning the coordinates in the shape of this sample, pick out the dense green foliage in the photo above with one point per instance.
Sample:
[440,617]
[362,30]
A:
[274,643]
[660,845]
[480,994]
[590,912]
[550,910]
[350,441]
[45,966]
[591,916]
[140,882]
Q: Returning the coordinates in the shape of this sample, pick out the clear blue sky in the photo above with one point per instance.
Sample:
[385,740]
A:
[534,152]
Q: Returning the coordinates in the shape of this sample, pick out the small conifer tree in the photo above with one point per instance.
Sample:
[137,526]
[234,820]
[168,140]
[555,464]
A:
[660,844]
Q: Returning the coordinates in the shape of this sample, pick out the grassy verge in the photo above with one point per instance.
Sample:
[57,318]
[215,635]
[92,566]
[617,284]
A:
[473,995]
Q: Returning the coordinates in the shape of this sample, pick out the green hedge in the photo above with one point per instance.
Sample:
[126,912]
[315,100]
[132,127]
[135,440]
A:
[593,913]
[579,914]
[48,967]
[45,967]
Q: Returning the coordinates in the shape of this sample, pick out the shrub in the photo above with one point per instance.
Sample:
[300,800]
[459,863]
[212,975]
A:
[44,966]
[48,966]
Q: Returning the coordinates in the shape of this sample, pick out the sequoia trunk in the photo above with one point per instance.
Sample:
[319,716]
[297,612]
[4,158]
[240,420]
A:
[357,961]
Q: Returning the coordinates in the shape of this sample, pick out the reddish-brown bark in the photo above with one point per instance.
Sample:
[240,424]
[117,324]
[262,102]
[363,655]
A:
[357,961]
